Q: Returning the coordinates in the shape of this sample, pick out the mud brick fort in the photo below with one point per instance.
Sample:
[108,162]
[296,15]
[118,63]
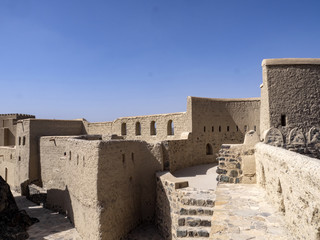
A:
[108,177]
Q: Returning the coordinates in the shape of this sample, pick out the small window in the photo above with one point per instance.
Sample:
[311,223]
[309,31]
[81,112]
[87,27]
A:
[138,128]
[10,156]
[212,129]
[204,128]
[19,158]
[209,150]
[24,140]
[228,128]
[83,161]
[123,158]
[69,155]
[237,128]
[153,128]
[19,140]
[132,157]
[170,128]
[64,154]
[219,128]
[245,128]
[123,129]
[255,128]
[283,120]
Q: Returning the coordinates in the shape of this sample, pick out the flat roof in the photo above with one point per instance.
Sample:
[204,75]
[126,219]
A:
[291,61]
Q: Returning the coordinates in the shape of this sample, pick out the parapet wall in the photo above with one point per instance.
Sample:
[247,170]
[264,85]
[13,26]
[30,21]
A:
[292,182]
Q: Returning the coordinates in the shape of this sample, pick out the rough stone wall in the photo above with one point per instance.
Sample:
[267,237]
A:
[126,185]
[218,121]
[7,164]
[167,207]
[290,94]
[293,184]
[69,167]
[237,161]
[30,131]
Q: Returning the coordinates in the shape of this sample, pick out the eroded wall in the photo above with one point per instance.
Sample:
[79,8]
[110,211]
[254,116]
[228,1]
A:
[293,184]
[290,95]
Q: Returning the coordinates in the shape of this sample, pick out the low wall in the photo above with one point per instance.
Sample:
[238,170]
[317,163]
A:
[168,203]
[237,161]
[7,164]
[292,182]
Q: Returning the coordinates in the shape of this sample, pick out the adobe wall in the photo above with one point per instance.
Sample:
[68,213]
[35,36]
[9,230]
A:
[292,182]
[103,128]
[69,169]
[30,131]
[8,127]
[126,185]
[218,121]
[7,164]
[290,89]
[161,129]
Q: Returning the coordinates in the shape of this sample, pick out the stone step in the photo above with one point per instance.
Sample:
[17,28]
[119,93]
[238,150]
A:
[187,232]
[206,202]
[196,221]
[193,210]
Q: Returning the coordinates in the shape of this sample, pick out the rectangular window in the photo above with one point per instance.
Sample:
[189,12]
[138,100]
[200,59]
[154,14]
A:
[283,120]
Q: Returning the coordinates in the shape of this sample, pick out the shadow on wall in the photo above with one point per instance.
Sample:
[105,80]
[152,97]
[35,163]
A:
[60,201]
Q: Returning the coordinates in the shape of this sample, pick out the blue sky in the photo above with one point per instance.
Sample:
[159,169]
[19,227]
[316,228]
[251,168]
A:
[100,60]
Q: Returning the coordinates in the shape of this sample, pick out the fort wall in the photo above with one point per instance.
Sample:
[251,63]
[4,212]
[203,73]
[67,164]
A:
[292,183]
[28,134]
[218,121]
[69,167]
[290,94]
[126,185]
[7,164]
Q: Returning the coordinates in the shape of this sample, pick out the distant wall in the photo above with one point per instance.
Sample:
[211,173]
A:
[126,185]
[221,121]
[8,127]
[103,128]
[7,164]
[290,95]
[292,182]
[153,128]
[29,132]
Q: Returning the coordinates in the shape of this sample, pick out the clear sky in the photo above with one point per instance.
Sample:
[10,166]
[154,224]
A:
[100,60]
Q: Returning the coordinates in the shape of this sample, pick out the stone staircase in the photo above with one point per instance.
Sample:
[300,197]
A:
[195,214]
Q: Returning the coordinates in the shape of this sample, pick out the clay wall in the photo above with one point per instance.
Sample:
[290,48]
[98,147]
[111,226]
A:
[292,182]
[290,95]
[69,169]
[126,185]
[153,128]
[7,164]
[28,134]
[8,127]
[103,128]
[218,121]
